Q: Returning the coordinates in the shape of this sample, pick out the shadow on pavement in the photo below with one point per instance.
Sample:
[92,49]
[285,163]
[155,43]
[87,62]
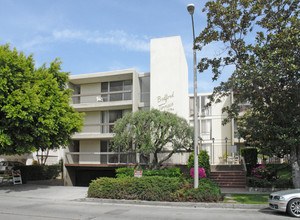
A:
[271,212]
[23,187]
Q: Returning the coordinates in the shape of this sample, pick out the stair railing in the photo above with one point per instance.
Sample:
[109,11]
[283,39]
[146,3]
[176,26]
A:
[244,164]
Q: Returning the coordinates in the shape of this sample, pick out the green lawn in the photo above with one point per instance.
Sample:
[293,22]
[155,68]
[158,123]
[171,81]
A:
[246,198]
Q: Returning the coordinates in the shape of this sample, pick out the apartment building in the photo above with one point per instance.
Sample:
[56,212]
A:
[222,142]
[106,96]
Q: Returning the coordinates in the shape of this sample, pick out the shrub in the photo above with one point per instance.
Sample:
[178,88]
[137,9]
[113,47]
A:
[257,182]
[155,188]
[201,172]
[259,171]
[38,172]
[271,175]
[203,161]
[250,155]
[129,172]
[207,191]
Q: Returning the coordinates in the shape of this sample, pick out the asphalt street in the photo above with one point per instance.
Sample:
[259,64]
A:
[57,202]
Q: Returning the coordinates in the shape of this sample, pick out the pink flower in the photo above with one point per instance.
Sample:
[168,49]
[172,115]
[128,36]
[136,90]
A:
[258,171]
[201,172]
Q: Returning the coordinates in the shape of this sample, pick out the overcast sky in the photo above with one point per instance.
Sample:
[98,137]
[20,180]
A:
[101,35]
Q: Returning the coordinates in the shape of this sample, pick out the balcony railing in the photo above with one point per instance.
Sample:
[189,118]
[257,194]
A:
[102,97]
[98,128]
[84,158]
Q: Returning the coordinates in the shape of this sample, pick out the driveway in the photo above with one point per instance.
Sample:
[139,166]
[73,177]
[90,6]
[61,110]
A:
[61,193]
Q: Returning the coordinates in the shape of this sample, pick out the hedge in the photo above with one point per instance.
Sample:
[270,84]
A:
[271,175]
[129,172]
[38,172]
[250,155]
[156,188]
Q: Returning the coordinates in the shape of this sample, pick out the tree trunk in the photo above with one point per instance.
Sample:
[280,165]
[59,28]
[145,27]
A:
[165,158]
[295,161]
[46,157]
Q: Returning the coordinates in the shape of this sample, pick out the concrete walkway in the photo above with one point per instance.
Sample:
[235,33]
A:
[66,193]
[79,194]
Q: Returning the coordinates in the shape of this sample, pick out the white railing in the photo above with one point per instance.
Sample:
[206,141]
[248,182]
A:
[100,158]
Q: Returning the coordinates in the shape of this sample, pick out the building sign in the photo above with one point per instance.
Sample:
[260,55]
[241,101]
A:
[138,173]
[166,102]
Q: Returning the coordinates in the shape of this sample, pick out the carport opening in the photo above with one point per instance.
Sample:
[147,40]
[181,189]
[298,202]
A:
[84,176]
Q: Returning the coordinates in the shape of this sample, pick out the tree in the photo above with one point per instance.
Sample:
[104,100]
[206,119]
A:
[262,42]
[150,133]
[34,105]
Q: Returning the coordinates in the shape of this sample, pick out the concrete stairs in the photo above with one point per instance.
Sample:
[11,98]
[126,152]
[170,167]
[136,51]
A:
[228,177]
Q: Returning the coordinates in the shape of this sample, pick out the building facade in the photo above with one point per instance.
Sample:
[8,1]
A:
[105,97]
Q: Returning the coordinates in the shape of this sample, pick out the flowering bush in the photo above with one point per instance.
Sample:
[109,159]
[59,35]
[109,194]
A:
[201,172]
[259,171]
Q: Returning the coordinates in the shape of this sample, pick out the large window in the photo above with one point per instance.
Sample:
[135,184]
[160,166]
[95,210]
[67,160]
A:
[108,119]
[205,111]
[107,156]
[191,105]
[145,88]
[116,90]
[206,129]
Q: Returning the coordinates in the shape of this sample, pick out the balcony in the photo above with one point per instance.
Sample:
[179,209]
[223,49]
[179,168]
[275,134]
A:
[99,158]
[102,97]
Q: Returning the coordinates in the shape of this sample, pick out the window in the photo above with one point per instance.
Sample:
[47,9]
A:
[205,111]
[145,89]
[191,105]
[108,118]
[206,129]
[107,158]
[116,90]
[236,133]
[116,86]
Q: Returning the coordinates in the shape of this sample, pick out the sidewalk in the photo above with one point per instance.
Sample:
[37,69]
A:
[79,194]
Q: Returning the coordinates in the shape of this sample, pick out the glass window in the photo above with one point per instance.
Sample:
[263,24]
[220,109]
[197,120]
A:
[114,115]
[104,146]
[115,97]
[105,98]
[116,86]
[205,126]
[205,110]
[145,89]
[104,87]
[206,129]
[128,85]
[127,96]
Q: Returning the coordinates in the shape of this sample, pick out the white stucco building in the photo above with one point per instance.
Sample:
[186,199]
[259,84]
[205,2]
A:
[105,97]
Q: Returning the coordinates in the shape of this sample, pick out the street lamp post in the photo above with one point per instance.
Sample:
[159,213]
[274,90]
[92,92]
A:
[191,8]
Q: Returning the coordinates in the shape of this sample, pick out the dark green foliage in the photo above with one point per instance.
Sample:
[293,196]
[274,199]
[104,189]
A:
[203,161]
[250,155]
[34,105]
[272,175]
[257,182]
[155,188]
[262,45]
[129,172]
[39,172]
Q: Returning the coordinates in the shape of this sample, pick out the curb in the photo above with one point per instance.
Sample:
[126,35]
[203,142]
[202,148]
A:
[176,204]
